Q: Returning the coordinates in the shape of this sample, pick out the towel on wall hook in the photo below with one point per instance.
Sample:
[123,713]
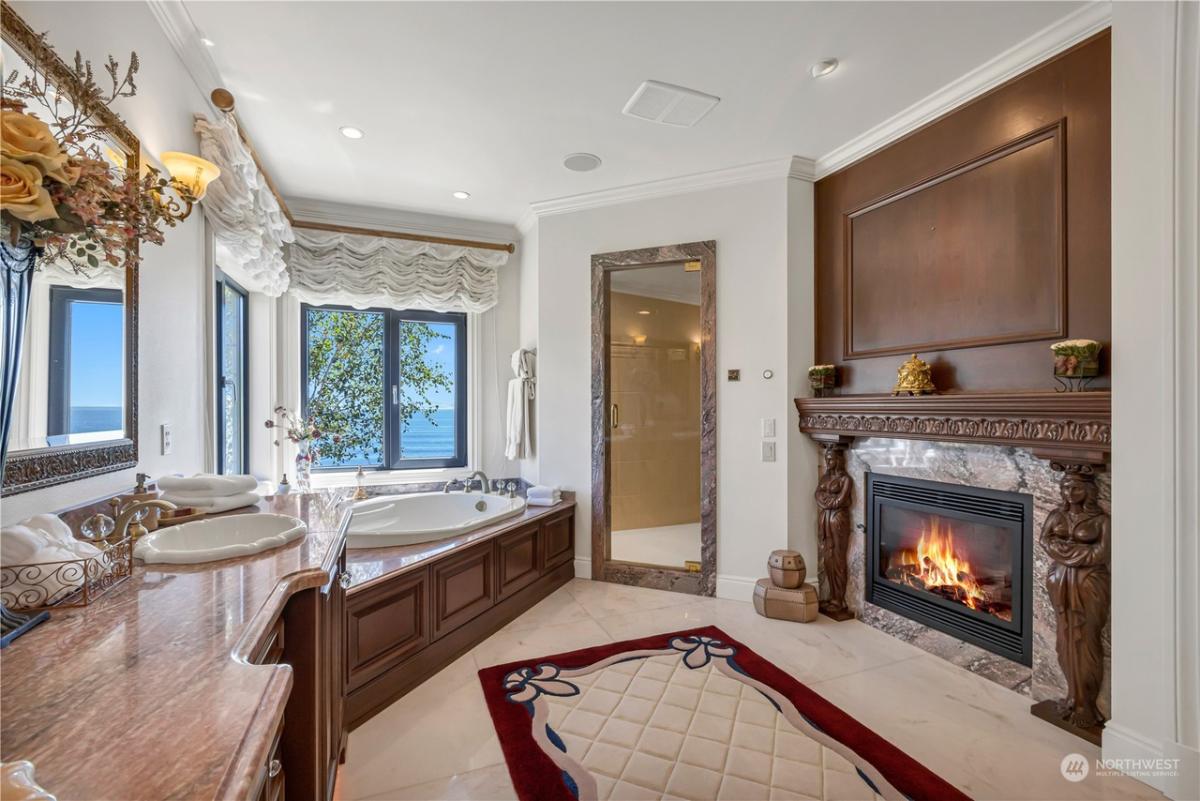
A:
[521,390]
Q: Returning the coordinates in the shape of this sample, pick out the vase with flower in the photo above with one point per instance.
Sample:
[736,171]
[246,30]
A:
[304,433]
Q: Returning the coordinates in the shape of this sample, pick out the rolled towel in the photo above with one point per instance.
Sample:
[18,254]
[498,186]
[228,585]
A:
[542,501]
[19,543]
[540,491]
[208,484]
[211,504]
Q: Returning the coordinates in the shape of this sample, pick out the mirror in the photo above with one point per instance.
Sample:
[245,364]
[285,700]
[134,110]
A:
[654,422]
[75,411]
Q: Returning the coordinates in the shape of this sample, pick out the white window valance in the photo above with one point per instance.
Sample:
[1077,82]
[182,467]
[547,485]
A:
[251,229]
[372,271]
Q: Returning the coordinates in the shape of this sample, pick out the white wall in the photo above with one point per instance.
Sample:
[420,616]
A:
[749,223]
[172,276]
[527,254]
[1155,669]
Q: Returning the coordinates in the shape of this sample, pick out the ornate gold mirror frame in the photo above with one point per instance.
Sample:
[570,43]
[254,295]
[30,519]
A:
[45,467]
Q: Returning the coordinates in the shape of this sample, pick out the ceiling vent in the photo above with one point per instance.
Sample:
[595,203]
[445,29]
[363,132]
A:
[668,104]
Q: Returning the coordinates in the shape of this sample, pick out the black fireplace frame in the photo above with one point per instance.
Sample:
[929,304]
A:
[1012,510]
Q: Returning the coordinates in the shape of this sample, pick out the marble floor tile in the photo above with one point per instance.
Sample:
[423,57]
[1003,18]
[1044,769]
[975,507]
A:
[438,741]
[507,645]
[440,729]
[559,607]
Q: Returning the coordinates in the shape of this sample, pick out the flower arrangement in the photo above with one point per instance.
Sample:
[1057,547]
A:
[1076,358]
[58,188]
[303,432]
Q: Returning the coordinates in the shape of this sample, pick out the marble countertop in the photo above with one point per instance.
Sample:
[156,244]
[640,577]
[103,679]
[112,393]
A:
[369,565]
[146,692]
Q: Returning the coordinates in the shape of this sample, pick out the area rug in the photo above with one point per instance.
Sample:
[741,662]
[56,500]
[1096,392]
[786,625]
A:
[688,715]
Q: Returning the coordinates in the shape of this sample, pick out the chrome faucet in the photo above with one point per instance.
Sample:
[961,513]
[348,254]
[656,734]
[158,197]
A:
[485,482]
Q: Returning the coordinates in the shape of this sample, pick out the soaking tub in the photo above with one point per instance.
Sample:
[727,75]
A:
[425,517]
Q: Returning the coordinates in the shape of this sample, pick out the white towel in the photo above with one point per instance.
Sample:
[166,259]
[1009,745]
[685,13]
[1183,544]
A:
[212,505]
[208,484]
[518,443]
[540,491]
[42,538]
[542,501]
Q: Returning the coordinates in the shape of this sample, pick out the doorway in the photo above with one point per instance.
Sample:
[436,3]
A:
[654,417]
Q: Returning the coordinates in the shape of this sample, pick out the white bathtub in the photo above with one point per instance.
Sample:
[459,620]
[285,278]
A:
[425,517]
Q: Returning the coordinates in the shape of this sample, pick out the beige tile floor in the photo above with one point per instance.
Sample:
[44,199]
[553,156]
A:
[438,742]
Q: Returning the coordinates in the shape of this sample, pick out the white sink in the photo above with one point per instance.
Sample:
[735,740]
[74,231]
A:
[216,538]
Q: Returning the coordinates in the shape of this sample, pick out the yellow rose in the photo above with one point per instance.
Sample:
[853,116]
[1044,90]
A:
[21,192]
[29,140]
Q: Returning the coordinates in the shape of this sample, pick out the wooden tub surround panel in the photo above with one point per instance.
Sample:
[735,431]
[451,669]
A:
[415,609]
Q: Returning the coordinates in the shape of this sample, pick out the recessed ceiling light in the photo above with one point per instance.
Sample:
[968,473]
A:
[824,67]
[461,195]
[643,311]
[350,132]
[581,162]
[204,40]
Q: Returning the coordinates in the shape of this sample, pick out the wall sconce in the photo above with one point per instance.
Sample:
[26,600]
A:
[639,339]
[190,177]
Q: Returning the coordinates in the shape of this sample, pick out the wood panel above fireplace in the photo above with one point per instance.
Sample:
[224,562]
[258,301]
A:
[977,240]
[1061,426]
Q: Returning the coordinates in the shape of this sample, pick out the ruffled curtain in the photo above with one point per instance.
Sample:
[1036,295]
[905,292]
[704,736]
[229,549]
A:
[371,271]
[251,229]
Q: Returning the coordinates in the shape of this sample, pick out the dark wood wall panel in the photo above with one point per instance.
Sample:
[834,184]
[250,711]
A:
[977,240]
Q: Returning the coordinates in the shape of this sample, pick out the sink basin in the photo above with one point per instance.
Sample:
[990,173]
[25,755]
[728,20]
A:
[218,538]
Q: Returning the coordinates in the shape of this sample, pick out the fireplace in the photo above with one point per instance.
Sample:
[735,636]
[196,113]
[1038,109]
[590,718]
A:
[955,558]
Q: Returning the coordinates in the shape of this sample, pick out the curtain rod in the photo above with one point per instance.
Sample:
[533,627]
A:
[223,100]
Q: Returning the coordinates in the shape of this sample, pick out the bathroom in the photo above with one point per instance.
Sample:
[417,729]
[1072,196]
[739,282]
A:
[431,389]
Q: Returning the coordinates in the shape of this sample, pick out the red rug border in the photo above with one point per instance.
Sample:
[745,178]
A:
[536,778]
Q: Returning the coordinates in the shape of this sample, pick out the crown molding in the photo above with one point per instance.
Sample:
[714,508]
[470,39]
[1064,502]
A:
[181,31]
[795,167]
[1048,42]
[401,222]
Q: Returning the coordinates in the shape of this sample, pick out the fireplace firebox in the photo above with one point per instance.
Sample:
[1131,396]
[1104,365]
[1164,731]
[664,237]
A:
[955,558]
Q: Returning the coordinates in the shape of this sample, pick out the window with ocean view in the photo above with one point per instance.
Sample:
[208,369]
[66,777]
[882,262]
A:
[87,347]
[390,384]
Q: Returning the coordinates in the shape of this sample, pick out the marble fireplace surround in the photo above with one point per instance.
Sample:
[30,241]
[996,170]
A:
[1001,442]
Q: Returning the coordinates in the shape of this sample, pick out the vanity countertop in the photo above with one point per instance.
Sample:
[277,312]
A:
[146,692]
[369,565]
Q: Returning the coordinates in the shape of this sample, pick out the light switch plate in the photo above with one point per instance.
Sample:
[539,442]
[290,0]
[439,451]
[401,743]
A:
[768,427]
[165,439]
[768,451]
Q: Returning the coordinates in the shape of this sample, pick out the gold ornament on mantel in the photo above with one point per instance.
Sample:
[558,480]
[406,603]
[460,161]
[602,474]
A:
[913,378]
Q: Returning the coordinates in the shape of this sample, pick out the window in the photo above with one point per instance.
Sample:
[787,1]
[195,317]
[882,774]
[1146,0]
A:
[232,340]
[392,385]
[87,365]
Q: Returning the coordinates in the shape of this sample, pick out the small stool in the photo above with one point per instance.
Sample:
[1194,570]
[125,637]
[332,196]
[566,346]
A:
[798,604]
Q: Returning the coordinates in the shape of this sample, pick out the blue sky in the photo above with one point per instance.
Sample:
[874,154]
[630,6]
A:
[97,354]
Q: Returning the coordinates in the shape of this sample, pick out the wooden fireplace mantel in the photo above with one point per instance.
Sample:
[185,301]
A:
[1074,427]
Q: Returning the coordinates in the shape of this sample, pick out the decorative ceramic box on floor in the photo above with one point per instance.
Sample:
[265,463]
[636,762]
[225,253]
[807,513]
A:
[787,569]
[799,604]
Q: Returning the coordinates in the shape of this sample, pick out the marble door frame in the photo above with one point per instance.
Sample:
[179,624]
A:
[603,567]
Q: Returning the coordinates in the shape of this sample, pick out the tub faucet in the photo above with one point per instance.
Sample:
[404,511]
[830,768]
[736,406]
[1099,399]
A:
[485,482]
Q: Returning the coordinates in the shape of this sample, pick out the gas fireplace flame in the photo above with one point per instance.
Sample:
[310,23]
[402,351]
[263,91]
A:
[942,566]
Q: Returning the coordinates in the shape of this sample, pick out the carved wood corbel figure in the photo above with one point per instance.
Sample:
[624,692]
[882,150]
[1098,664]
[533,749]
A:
[833,495]
[1076,538]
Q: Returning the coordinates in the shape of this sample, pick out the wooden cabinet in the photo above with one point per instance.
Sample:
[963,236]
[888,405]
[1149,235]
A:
[310,636]
[518,560]
[558,540]
[386,624]
[405,628]
[463,586]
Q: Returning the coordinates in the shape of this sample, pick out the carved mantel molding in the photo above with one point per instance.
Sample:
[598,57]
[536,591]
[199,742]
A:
[1069,427]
